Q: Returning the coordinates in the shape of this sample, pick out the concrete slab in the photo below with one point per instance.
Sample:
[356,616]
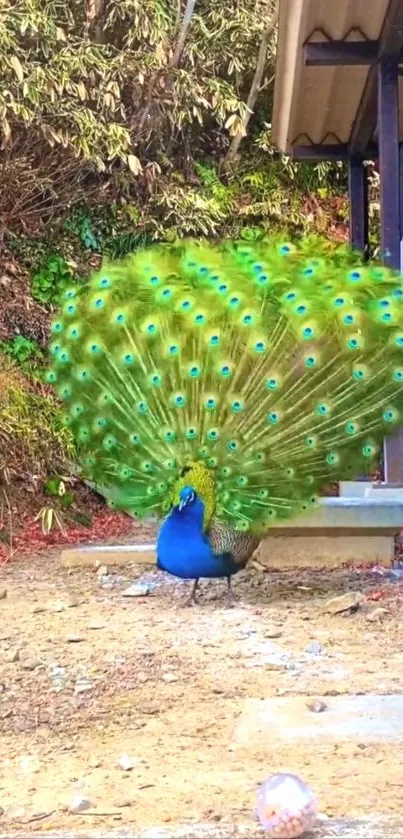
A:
[303,551]
[369,718]
[93,556]
[373,828]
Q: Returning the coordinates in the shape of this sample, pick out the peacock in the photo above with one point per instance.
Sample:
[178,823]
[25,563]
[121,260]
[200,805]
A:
[219,387]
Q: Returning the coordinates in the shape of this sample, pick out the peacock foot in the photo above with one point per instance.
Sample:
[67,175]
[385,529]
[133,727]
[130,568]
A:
[192,599]
[231,597]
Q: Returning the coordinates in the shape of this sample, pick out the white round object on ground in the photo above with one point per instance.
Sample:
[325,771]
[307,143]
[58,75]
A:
[286,807]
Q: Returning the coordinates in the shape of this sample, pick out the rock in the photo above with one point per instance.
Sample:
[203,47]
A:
[377,614]
[170,677]
[94,762]
[79,803]
[273,633]
[75,639]
[12,656]
[317,706]
[123,802]
[142,677]
[40,607]
[314,648]
[3,593]
[125,762]
[68,602]
[30,664]
[350,601]
[275,665]
[83,685]
[137,590]
[96,625]
[102,571]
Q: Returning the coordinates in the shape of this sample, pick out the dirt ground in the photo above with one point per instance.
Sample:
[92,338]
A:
[88,675]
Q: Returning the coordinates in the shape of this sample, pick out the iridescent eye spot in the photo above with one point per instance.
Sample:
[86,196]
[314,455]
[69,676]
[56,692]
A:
[308,332]
[128,359]
[151,328]
[95,349]
[368,450]
[397,292]
[272,383]
[348,319]
[262,279]
[214,340]
[191,433]
[156,380]
[169,436]
[332,458]
[234,302]
[167,292]
[186,305]
[194,371]
[65,392]
[273,418]
[70,294]
[322,409]
[290,296]
[310,361]
[120,318]
[307,272]
[154,280]
[77,410]
[179,400]
[203,270]
[399,341]
[173,349]
[237,406]
[99,303]
[387,317]
[213,434]
[100,422]
[390,415]
[191,264]
[310,442]
[51,377]
[301,309]
[340,301]
[232,446]
[353,343]
[64,357]
[257,267]
[55,348]
[210,403]
[135,439]
[260,346]
[199,319]
[247,320]
[57,327]
[222,288]
[142,407]
[225,370]
[83,375]
[214,278]
[70,309]
[351,428]
[74,333]
[285,249]
[354,276]
[384,304]
[104,282]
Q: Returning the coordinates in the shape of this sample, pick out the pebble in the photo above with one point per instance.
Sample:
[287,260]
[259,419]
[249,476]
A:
[275,665]
[317,706]
[125,762]
[13,655]
[273,633]
[82,686]
[3,593]
[96,625]
[30,664]
[344,602]
[142,677]
[79,803]
[75,639]
[314,648]
[94,762]
[123,802]
[70,602]
[377,614]
[137,590]
[170,677]
[40,607]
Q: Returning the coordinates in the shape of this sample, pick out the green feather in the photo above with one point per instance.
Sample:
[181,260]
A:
[268,369]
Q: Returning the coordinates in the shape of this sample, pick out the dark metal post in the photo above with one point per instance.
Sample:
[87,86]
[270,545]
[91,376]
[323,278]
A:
[388,136]
[358,194]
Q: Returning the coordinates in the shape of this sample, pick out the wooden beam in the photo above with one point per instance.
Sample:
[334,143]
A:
[390,44]
[340,53]
[358,195]
[323,151]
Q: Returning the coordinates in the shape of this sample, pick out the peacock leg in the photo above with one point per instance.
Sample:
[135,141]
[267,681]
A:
[192,599]
[231,599]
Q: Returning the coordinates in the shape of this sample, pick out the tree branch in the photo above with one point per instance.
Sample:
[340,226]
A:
[254,89]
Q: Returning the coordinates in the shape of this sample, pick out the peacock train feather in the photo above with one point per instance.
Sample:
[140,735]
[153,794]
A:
[255,373]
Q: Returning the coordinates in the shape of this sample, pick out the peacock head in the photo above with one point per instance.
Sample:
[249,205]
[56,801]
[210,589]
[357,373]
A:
[187,497]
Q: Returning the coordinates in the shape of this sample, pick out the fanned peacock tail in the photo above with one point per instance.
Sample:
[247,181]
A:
[266,369]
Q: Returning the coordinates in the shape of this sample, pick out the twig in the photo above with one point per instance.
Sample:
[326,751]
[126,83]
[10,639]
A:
[254,89]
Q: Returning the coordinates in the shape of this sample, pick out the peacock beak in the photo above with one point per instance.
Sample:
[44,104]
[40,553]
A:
[182,504]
